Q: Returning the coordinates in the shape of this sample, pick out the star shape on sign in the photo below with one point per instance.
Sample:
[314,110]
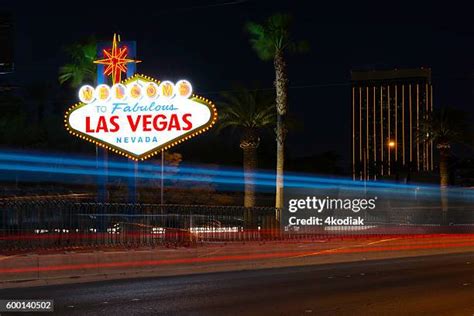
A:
[115,60]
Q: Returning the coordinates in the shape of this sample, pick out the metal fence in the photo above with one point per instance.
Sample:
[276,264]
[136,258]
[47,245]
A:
[44,224]
[26,224]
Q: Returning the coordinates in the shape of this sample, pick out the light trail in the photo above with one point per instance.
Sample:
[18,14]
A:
[227,171]
[400,237]
[233,258]
[235,181]
[38,165]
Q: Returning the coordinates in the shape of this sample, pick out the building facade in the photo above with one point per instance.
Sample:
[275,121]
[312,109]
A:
[387,109]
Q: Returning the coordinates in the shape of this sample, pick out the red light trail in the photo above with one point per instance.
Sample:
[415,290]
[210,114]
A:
[243,257]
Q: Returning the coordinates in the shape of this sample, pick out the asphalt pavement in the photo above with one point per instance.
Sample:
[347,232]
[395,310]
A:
[430,285]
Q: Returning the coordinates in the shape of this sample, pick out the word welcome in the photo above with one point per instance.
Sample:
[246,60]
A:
[136,91]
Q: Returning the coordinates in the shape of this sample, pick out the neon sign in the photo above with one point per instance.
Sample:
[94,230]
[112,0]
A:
[139,116]
[115,60]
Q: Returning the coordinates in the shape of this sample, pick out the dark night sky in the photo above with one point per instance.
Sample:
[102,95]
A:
[204,42]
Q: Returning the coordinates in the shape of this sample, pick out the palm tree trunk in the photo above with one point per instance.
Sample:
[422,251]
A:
[281,87]
[443,166]
[250,165]
[281,84]
[280,163]
[444,180]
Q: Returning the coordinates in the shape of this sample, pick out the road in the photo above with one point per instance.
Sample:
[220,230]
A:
[431,285]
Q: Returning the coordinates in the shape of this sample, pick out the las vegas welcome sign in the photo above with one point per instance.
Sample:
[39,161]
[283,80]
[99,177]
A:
[139,116]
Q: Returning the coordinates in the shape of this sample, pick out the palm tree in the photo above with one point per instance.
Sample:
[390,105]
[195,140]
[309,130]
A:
[249,112]
[81,68]
[271,41]
[443,128]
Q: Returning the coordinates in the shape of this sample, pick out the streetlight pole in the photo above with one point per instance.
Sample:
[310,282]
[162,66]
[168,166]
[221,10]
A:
[391,144]
[365,168]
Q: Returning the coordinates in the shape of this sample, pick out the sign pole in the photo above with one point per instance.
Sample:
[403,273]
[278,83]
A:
[102,195]
[162,176]
[131,70]
[102,79]
[162,187]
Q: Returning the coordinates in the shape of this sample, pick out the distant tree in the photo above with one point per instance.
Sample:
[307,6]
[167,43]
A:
[80,69]
[16,128]
[148,188]
[40,94]
[271,40]
[248,112]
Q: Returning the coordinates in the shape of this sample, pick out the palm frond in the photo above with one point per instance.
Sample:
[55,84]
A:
[246,109]
[444,126]
[274,36]
[80,69]
[300,47]
[261,41]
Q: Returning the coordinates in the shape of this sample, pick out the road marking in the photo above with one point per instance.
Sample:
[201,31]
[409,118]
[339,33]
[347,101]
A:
[210,254]
[318,252]
[8,257]
[381,241]
[335,249]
